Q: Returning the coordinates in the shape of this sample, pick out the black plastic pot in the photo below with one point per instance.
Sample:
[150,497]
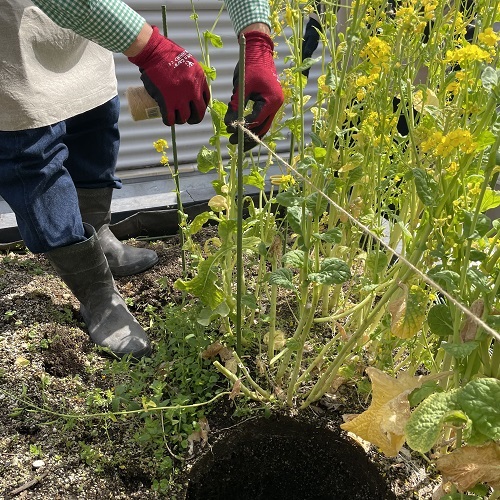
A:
[280,458]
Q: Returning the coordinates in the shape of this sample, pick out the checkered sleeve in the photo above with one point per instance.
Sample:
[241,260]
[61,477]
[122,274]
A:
[110,23]
[245,12]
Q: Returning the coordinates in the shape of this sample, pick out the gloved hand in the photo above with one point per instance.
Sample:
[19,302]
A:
[311,40]
[174,79]
[261,86]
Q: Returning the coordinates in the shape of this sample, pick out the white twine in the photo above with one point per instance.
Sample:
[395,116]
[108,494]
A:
[478,321]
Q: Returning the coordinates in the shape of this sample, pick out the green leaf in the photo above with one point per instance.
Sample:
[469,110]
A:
[489,78]
[333,235]
[294,218]
[203,285]
[316,204]
[198,222]
[426,187]
[449,280]
[376,262]
[480,399]
[288,198]
[491,200]
[332,271]
[226,228]
[218,111]
[207,159]
[423,392]
[306,63]
[214,39]
[478,279]
[484,139]
[426,421]
[293,258]
[440,321]
[460,351]
[481,227]
[283,278]
[460,496]
[255,179]
[210,71]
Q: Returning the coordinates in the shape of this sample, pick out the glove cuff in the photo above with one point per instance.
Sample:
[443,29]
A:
[258,45]
[313,23]
[143,56]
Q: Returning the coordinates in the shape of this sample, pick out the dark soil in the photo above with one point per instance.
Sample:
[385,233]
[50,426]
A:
[282,458]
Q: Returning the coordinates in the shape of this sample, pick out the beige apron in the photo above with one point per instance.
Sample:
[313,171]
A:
[47,73]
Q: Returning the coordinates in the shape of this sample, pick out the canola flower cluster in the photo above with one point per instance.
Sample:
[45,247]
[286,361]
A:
[443,145]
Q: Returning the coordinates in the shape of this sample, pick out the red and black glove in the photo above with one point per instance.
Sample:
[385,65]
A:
[261,86]
[311,41]
[174,79]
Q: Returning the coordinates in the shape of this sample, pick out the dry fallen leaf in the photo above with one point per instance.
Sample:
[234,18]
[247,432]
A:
[279,339]
[384,421]
[212,350]
[469,465]
[236,389]
[469,326]
[200,435]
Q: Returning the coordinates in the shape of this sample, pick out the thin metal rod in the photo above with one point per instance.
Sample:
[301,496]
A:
[180,208]
[239,222]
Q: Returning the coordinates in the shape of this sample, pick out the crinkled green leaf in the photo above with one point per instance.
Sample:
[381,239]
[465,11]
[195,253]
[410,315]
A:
[255,179]
[214,39]
[376,262]
[333,235]
[408,312]
[490,200]
[198,222]
[207,159]
[426,187]
[426,421]
[440,321]
[293,258]
[460,351]
[423,392]
[282,277]
[203,285]
[288,198]
[480,399]
[294,218]
[316,204]
[489,78]
[332,271]
[481,227]
[478,279]
[449,280]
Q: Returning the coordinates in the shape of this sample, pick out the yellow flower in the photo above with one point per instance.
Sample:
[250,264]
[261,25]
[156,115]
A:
[377,51]
[284,181]
[164,160]
[160,145]
[452,168]
[432,141]
[467,54]
[488,37]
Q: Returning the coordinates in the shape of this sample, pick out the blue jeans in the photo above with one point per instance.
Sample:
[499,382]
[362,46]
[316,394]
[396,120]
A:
[41,168]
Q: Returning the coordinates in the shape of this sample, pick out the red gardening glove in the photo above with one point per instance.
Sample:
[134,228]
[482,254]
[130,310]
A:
[261,86]
[174,79]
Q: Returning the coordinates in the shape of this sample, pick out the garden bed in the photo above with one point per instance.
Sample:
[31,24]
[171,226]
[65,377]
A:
[47,364]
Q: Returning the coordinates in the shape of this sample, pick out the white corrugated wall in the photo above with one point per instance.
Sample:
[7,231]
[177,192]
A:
[137,151]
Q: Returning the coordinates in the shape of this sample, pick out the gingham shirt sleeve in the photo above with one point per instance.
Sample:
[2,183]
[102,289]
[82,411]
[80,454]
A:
[245,12]
[110,23]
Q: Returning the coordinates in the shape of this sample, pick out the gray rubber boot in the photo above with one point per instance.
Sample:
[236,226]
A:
[123,260]
[84,268]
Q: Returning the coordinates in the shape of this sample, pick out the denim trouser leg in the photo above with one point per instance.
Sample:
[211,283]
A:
[93,141]
[40,167]
[38,188]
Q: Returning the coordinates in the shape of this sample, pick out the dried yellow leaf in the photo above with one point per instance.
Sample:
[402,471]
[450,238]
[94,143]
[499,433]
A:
[469,465]
[384,421]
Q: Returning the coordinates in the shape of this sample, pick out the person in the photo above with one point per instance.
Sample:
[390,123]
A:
[59,137]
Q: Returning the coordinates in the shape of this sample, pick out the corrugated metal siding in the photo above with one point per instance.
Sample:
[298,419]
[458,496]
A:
[137,137]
